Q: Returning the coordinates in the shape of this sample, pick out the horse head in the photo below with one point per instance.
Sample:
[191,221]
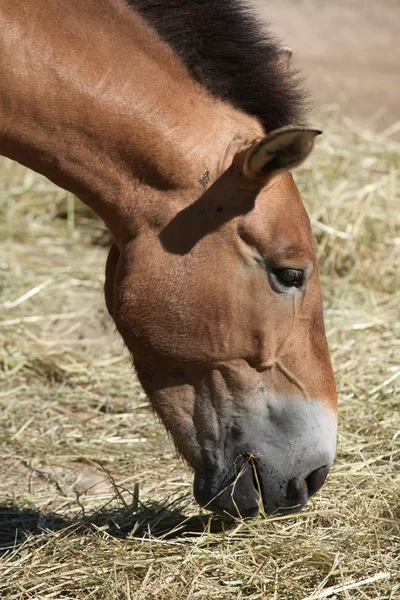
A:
[219,302]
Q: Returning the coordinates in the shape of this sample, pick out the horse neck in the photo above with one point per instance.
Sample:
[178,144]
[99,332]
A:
[95,101]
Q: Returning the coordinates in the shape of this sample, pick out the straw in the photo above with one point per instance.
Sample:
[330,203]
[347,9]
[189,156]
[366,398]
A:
[95,503]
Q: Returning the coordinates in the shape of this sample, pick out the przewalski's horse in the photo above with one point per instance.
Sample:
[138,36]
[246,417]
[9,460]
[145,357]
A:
[211,278]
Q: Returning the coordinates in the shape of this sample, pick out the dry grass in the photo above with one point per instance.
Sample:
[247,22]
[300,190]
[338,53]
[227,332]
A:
[73,415]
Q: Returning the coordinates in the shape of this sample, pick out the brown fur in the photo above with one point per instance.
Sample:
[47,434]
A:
[94,100]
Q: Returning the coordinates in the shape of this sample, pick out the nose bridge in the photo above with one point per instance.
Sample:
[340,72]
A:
[297,355]
[282,349]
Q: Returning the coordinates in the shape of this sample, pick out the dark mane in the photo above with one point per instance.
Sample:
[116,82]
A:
[227,49]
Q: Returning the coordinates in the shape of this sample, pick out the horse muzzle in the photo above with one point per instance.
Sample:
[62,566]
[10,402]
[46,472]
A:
[274,462]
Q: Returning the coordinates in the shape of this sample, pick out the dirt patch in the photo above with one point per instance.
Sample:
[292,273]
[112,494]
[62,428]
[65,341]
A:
[348,51]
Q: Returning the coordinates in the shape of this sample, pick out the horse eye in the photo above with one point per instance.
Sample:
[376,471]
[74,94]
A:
[289,277]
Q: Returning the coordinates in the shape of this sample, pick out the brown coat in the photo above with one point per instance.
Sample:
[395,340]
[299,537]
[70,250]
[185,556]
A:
[212,278]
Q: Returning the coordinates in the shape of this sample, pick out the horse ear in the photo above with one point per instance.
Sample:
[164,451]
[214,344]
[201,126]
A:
[281,150]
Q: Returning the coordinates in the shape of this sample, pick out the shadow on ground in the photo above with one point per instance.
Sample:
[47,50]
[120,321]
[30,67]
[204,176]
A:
[161,521]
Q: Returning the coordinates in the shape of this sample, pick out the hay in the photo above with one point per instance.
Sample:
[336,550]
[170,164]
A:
[73,417]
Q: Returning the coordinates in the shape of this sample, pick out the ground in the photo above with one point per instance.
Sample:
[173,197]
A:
[348,52]
[94,502]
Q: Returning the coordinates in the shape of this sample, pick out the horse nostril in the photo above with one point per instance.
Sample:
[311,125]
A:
[315,480]
[298,492]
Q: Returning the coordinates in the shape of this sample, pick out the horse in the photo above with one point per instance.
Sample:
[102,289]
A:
[179,124]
